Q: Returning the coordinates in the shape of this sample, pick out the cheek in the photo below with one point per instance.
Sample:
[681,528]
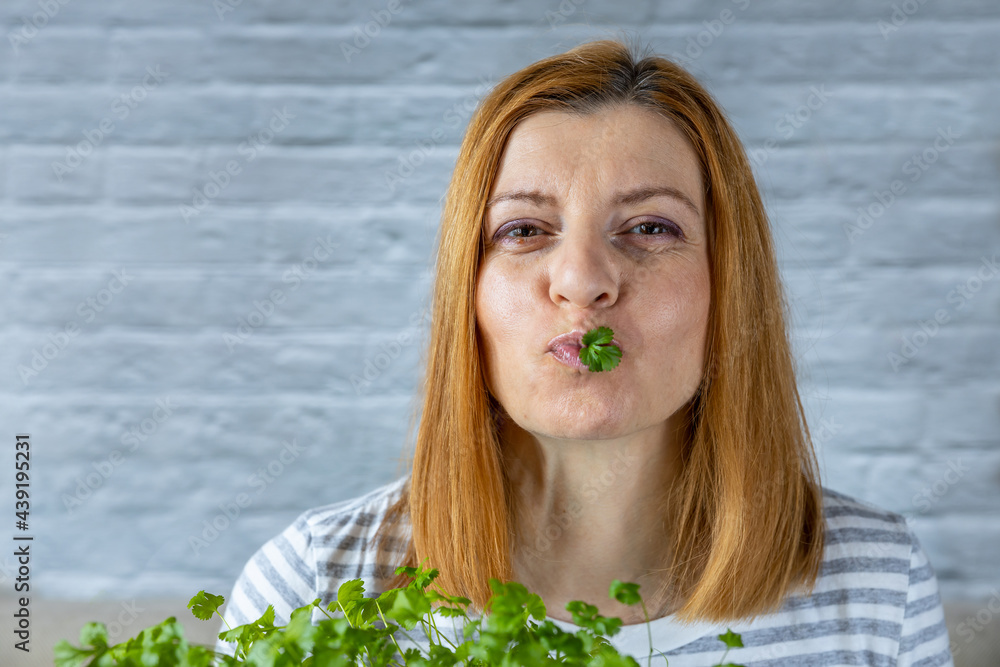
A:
[695,315]
[501,306]
[500,320]
[678,319]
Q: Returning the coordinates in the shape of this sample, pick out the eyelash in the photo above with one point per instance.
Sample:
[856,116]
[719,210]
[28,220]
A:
[672,229]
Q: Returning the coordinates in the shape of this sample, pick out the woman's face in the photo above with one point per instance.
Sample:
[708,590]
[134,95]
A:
[601,223]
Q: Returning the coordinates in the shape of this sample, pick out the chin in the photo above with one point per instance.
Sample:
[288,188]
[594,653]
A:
[581,422]
[604,432]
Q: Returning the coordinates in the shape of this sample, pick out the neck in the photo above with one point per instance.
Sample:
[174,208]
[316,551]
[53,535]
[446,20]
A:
[586,513]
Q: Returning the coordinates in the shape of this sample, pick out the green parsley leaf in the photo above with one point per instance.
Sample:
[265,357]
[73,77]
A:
[626,593]
[203,605]
[507,634]
[732,639]
[598,352]
[94,634]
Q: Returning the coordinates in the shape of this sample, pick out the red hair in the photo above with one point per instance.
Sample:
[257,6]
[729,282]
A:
[745,512]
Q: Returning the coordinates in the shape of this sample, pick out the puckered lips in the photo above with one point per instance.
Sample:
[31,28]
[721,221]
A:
[565,348]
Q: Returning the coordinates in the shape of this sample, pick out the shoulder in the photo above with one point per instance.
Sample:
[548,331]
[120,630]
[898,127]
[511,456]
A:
[865,539]
[342,535]
[327,533]
[874,564]
[875,600]
[873,559]
[341,539]
[323,547]
[843,511]
[356,517]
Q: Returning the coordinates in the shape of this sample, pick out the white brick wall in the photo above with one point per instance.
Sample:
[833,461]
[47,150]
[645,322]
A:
[307,212]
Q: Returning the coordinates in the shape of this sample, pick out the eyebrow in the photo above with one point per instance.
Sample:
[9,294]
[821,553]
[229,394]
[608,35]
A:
[628,198]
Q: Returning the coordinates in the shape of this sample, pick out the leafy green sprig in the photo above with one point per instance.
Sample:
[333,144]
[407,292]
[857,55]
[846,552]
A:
[365,631]
[598,352]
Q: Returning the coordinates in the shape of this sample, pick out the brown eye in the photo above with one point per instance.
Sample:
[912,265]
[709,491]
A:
[656,227]
[523,230]
[517,230]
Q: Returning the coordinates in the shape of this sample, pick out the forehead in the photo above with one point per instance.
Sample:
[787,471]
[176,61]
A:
[616,147]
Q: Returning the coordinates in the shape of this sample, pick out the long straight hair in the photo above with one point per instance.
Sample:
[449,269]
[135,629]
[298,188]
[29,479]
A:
[745,511]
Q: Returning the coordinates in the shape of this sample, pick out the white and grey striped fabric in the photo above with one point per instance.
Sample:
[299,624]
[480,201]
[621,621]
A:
[876,601]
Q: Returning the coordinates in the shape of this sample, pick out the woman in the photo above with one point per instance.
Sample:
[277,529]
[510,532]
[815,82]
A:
[595,188]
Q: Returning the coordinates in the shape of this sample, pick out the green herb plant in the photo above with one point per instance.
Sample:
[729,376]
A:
[598,352]
[366,631]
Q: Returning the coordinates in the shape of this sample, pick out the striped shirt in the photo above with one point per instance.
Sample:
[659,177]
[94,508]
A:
[875,602]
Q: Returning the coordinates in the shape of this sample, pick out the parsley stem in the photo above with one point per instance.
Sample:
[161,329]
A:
[350,624]
[382,616]
[649,631]
[440,636]
[223,619]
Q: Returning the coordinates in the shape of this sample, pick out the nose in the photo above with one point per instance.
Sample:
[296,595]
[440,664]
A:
[581,271]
